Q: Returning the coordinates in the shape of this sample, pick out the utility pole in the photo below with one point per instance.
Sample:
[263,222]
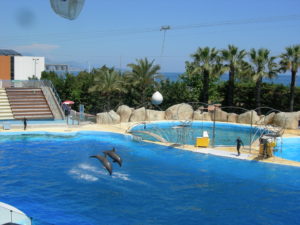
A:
[164,29]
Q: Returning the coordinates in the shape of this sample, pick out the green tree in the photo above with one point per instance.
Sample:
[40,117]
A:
[263,66]
[58,82]
[290,60]
[142,77]
[107,82]
[235,61]
[207,64]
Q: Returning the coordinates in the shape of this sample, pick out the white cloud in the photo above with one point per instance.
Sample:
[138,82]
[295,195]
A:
[37,47]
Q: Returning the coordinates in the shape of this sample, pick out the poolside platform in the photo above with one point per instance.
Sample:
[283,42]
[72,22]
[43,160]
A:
[229,152]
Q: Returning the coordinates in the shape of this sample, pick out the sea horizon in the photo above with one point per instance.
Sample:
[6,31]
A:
[284,79]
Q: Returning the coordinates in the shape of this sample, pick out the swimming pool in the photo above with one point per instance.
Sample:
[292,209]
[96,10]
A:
[50,177]
[186,133]
[288,148]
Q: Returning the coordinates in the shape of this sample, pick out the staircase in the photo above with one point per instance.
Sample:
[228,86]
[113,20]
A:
[29,103]
[5,110]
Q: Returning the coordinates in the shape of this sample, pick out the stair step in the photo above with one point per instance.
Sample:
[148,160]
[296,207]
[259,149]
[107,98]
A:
[22,89]
[5,110]
[31,106]
[6,114]
[26,100]
[34,117]
[31,110]
[7,118]
[2,107]
[25,93]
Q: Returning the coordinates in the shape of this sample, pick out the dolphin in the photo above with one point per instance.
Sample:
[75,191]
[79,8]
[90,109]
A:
[113,155]
[104,162]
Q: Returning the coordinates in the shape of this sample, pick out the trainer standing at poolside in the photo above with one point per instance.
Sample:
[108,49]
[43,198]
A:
[25,123]
[239,142]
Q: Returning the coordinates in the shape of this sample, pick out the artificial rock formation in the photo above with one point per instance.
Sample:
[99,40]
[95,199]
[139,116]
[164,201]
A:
[125,112]
[200,115]
[246,117]
[288,120]
[180,112]
[138,115]
[110,117]
[219,115]
[232,117]
[152,115]
[266,120]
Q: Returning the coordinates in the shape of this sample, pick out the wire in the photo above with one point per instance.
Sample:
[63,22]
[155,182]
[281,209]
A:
[133,31]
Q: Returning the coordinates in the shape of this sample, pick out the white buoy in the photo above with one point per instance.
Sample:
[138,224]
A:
[157,98]
[69,9]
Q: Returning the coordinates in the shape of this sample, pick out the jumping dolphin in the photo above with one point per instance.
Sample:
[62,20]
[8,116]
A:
[104,162]
[112,154]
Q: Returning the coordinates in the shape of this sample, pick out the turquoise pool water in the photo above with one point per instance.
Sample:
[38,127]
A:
[288,148]
[50,177]
[225,133]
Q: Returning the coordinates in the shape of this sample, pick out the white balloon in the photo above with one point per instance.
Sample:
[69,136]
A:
[157,98]
[69,9]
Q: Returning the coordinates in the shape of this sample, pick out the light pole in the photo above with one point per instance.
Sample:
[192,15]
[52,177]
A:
[35,61]
[164,29]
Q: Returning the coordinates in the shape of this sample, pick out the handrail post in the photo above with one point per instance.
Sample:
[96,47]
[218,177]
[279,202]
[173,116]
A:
[251,130]
[214,128]
[11,216]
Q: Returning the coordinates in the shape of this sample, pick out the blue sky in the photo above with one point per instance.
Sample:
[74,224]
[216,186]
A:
[117,32]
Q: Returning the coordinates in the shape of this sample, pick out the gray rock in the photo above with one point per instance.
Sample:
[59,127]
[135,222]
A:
[138,115]
[219,115]
[125,112]
[246,117]
[152,115]
[288,120]
[110,117]
[199,115]
[180,112]
[232,117]
[266,120]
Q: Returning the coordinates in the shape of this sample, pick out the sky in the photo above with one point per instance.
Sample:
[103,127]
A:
[118,32]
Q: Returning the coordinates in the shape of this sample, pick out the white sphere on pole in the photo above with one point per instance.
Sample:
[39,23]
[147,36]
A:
[157,98]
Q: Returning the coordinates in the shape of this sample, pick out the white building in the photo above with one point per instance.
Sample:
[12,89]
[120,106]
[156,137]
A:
[28,66]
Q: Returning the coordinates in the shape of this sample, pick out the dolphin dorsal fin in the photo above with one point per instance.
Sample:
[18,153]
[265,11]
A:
[113,149]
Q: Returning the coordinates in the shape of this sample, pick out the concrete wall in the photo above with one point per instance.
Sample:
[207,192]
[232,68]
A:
[27,66]
[5,68]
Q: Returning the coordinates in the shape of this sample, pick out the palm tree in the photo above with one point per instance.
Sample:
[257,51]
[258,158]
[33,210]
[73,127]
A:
[263,66]
[290,60]
[207,63]
[143,75]
[235,60]
[107,81]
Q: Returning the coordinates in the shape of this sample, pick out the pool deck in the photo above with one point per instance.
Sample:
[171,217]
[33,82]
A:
[229,152]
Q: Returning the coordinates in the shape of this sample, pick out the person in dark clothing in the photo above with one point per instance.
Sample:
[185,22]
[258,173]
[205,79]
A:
[25,123]
[239,142]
